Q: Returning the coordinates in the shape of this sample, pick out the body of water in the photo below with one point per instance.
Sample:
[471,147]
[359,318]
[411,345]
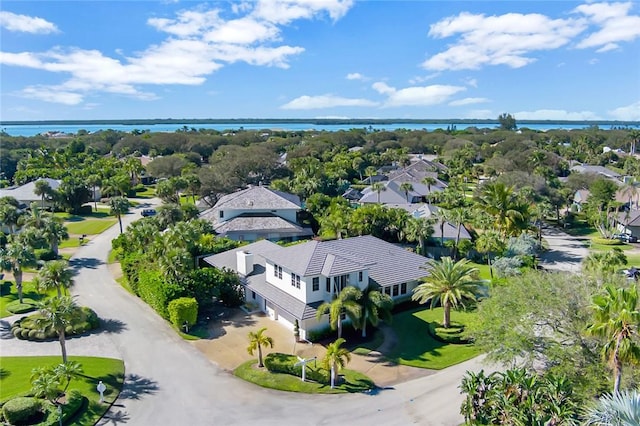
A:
[35,129]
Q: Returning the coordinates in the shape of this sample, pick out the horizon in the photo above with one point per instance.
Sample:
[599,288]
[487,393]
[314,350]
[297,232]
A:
[335,59]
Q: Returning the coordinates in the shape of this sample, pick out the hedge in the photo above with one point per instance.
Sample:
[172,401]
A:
[606,241]
[75,401]
[283,363]
[27,305]
[21,410]
[183,310]
[157,293]
[26,327]
[453,334]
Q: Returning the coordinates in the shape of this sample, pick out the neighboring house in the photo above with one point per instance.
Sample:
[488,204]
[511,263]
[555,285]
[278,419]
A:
[629,222]
[393,193]
[290,283]
[580,198]
[598,170]
[628,197]
[25,194]
[441,231]
[257,213]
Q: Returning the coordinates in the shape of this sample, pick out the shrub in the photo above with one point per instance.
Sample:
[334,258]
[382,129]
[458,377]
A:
[283,363]
[132,265]
[45,254]
[453,334]
[507,266]
[26,327]
[21,410]
[75,401]
[606,241]
[319,334]
[183,310]
[157,293]
[85,210]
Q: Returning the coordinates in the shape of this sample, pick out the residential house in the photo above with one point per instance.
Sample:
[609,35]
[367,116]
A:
[290,283]
[598,170]
[629,223]
[25,194]
[257,213]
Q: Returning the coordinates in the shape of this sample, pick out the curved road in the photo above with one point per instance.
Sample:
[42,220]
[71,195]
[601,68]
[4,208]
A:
[169,382]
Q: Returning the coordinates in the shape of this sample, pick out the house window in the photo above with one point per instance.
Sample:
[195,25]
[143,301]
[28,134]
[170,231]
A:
[316,284]
[297,281]
[387,291]
[395,290]
[360,276]
[403,288]
[275,271]
[328,285]
[253,295]
[221,214]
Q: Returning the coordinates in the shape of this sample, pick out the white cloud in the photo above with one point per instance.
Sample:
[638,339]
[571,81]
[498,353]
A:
[199,42]
[355,76]
[468,101]
[26,24]
[471,82]
[421,79]
[507,39]
[626,113]
[555,114]
[326,101]
[614,21]
[417,95]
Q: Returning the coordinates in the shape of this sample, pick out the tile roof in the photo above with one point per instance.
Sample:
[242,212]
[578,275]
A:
[26,192]
[259,197]
[263,223]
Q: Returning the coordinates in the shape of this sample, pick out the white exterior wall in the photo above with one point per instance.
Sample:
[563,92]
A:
[284,283]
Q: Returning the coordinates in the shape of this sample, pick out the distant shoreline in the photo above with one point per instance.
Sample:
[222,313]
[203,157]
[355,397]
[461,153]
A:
[312,121]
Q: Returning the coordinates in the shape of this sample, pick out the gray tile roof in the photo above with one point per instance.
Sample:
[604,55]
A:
[228,259]
[258,197]
[264,224]
[26,192]
[600,170]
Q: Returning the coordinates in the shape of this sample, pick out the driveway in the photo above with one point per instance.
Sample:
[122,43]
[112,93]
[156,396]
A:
[565,252]
[170,382]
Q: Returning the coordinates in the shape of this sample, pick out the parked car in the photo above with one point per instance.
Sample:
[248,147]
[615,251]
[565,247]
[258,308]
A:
[148,212]
[627,238]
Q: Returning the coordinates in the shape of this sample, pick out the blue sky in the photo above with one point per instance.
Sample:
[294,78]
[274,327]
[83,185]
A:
[319,58]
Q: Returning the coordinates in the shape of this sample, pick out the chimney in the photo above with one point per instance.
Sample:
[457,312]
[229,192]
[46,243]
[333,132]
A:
[244,262]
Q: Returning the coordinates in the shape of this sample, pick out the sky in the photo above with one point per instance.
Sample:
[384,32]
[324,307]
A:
[537,60]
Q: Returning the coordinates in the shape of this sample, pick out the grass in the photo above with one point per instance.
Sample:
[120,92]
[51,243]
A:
[14,381]
[633,259]
[113,256]
[483,269]
[8,294]
[72,242]
[90,226]
[149,192]
[417,348]
[102,213]
[353,380]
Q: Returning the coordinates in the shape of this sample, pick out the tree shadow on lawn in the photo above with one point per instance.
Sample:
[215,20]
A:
[85,262]
[414,342]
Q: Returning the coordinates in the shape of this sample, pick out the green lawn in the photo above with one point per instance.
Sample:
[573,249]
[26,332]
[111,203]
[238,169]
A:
[8,294]
[72,242]
[149,192]
[90,226]
[15,372]
[417,348]
[354,381]
[483,268]
[633,259]
[102,213]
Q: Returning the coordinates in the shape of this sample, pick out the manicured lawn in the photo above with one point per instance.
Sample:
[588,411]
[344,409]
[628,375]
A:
[354,381]
[102,213]
[90,226]
[633,259]
[72,242]
[603,247]
[417,348]
[8,293]
[149,192]
[14,381]
[483,269]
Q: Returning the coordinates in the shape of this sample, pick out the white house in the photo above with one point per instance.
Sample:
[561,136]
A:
[290,283]
[257,213]
[25,194]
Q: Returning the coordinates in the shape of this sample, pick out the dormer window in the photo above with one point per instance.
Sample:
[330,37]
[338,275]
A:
[221,214]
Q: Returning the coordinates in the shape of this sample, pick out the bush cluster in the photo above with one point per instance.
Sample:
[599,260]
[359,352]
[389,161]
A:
[183,310]
[21,410]
[453,334]
[606,241]
[283,363]
[26,328]
[16,307]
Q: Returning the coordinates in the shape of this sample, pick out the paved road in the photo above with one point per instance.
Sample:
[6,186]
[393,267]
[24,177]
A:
[170,382]
[565,253]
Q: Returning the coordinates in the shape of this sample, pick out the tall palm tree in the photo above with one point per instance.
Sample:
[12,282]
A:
[442,216]
[450,284]
[459,216]
[335,359]
[43,189]
[54,231]
[378,187]
[36,217]
[406,187]
[616,320]
[490,242]
[57,313]
[16,255]
[502,202]
[376,306]
[55,274]
[94,181]
[9,216]
[429,181]
[256,341]
[419,229]
[134,167]
[119,206]
[345,303]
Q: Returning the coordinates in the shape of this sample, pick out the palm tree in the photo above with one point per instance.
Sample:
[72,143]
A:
[335,359]
[406,187]
[119,206]
[57,313]
[343,303]
[68,371]
[376,306]
[36,217]
[378,187]
[616,320]
[45,383]
[335,224]
[134,167]
[449,284]
[256,341]
[490,242]
[54,231]
[14,257]
[419,229]
[442,216]
[94,181]
[429,181]
[55,274]
[502,203]
[43,189]
[459,216]
[623,408]
[9,216]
